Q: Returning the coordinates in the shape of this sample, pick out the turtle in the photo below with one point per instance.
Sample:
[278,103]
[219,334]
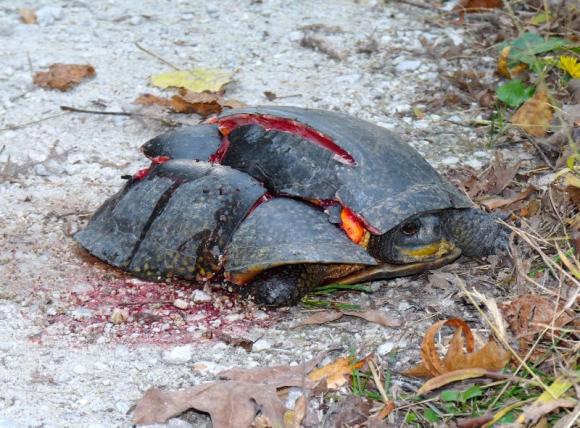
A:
[278,200]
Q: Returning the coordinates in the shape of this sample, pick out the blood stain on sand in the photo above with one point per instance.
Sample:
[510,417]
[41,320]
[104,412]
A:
[152,317]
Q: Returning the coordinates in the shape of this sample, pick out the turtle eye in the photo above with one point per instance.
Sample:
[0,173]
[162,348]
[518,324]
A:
[411,228]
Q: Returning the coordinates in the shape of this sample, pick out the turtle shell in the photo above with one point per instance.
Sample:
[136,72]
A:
[328,156]
[248,189]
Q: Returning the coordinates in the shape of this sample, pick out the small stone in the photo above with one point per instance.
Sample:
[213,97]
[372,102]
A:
[136,20]
[261,345]
[178,355]
[180,304]
[47,15]
[408,65]
[450,160]
[119,316]
[385,348]
[200,296]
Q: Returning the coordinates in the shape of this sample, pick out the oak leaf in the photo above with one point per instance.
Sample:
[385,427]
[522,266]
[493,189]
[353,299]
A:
[490,357]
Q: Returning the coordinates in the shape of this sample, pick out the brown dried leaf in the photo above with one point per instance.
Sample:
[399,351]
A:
[353,411]
[527,313]
[320,44]
[371,315]
[503,68]
[490,357]
[63,76]
[494,180]
[28,16]
[450,377]
[201,103]
[321,317]
[377,317]
[338,372]
[230,404]
[495,203]
[535,115]
[535,411]
[277,376]
[149,100]
[471,6]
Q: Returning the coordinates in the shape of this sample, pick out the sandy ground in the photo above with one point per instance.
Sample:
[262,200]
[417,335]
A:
[62,363]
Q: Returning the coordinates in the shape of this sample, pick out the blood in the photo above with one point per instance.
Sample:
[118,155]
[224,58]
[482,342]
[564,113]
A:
[270,123]
[144,172]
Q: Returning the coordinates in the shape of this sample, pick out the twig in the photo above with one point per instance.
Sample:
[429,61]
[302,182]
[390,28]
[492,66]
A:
[541,152]
[110,113]
[23,125]
[154,55]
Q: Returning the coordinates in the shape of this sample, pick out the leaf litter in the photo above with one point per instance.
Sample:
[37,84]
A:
[63,76]
[246,393]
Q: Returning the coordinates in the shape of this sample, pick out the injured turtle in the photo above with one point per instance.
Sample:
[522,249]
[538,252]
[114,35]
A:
[282,199]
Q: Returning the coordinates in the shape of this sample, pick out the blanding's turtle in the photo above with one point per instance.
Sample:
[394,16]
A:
[281,199]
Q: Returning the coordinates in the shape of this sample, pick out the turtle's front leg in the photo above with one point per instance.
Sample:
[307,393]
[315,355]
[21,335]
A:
[475,232]
[280,286]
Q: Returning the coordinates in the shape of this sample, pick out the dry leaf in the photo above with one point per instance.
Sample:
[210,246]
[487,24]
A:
[203,104]
[490,357]
[338,372]
[230,404]
[196,80]
[470,6]
[353,411]
[377,317]
[495,203]
[28,16]
[537,410]
[63,76]
[535,115]
[277,376]
[320,317]
[527,314]
[493,181]
[503,68]
[450,377]
[149,100]
[371,315]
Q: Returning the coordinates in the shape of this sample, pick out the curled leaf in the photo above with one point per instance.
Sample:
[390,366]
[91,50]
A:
[490,357]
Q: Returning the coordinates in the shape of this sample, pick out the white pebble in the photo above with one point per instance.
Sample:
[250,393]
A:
[385,348]
[178,355]
[261,345]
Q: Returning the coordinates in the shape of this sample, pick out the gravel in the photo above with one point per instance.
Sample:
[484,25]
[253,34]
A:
[63,363]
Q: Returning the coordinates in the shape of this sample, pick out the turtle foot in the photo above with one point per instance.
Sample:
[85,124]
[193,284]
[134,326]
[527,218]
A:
[281,286]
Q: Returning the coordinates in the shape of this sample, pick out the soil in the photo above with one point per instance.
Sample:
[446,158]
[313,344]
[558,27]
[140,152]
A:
[81,342]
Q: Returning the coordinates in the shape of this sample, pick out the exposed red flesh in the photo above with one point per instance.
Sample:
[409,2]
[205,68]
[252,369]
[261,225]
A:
[227,124]
[144,172]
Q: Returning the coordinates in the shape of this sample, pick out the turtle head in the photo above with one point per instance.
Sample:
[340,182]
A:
[418,239]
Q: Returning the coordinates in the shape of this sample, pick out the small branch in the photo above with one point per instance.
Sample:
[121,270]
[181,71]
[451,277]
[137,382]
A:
[23,125]
[154,55]
[110,113]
